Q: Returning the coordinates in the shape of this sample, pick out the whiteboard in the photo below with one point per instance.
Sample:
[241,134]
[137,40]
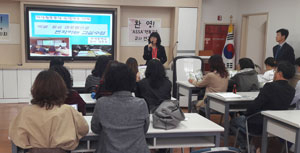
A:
[187,26]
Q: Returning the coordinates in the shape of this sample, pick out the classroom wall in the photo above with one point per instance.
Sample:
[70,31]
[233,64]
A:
[10,53]
[286,17]
[210,11]
[282,14]
[15,58]
[136,51]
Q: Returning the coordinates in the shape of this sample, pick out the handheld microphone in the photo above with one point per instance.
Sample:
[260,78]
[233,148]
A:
[150,48]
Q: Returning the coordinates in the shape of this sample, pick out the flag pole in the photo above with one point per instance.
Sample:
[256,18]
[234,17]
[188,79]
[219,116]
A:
[228,52]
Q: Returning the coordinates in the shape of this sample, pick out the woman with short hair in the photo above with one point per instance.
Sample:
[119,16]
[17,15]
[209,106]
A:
[48,124]
[121,120]
[246,79]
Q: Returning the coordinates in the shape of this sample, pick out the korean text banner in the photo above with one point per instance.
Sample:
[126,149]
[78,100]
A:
[139,29]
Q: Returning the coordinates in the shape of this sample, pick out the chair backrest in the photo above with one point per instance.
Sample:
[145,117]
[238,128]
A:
[75,106]
[218,150]
[183,67]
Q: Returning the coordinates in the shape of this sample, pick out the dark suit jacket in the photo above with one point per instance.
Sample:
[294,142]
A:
[161,54]
[286,53]
[276,95]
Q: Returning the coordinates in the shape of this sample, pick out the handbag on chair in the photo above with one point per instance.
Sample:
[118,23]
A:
[167,115]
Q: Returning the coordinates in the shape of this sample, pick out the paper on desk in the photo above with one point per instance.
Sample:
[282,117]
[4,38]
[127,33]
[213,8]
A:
[229,95]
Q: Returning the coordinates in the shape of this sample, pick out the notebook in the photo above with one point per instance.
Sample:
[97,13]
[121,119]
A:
[229,95]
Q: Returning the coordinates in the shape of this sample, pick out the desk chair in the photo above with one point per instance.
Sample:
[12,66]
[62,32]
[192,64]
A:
[218,150]
[183,66]
[249,134]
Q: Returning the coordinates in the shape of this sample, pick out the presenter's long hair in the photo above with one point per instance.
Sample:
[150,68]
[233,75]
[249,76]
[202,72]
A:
[155,72]
[156,35]
[216,64]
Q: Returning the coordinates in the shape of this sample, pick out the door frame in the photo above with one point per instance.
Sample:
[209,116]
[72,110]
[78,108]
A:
[244,34]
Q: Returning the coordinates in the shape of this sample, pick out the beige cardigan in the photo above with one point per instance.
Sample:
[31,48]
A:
[59,127]
[213,83]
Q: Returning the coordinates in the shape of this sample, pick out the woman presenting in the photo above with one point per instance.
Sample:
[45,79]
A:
[154,49]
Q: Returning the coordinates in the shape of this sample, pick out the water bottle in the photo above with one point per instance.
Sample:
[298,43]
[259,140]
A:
[234,88]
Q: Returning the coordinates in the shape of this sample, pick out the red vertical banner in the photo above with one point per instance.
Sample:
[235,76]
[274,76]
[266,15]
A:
[215,37]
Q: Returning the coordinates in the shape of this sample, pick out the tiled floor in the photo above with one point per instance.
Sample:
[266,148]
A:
[9,111]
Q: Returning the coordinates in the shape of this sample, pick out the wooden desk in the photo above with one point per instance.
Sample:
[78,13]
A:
[226,105]
[195,131]
[284,124]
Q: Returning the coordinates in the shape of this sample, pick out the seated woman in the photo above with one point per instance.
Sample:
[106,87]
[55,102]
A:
[156,87]
[121,120]
[214,81]
[93,80]
[73,97]
[101,90]
[48,124]
[246,79]
[133,65]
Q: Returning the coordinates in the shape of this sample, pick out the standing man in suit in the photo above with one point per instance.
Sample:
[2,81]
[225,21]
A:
[283,51]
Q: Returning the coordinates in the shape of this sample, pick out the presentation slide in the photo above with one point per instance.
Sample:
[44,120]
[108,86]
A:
[70,34]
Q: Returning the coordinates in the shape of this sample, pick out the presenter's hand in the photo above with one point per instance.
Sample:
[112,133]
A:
[149,45]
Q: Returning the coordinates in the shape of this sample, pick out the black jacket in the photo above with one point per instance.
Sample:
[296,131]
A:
[286,53]
[161,54]
[153,97]
[276,95]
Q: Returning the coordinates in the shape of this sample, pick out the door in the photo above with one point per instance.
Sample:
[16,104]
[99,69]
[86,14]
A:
[253,40]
